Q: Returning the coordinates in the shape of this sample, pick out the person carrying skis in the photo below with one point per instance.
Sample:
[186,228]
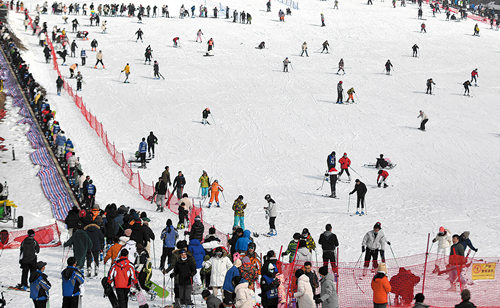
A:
[373,243]
[304,49]
[322,20]
[415,50]
[332,172]
[210,46]
[325,46]
[39,286]
[331,160]
[139,34]
[422,28]
[350,92]
[382,177]
[341,66]
[156,70]
[127,73]
[99,57]
[345,162]
[340,92]
[175,41]
[473,76]
[79,79]
[272,213]
[198,36]
[205,114]
[285,64]
[59,84]
[147,54]
[239,212]
[360,189]
[425,119]
[94,44]
[476,30]
[204,184]
[429,86]
[214,193]
[72,280]
[388,66]
[466,86]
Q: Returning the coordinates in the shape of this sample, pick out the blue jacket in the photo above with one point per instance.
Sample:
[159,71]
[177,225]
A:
[143,147]
[242,243]
[465,243]
[39,286]
[197,251]
[69,144]
[91,189]
[169,239]
[56,128]
[72,279]
[228,280]
[83,54]
[60,140]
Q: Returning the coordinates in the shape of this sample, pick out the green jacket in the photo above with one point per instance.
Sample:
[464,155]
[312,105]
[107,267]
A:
[205,181]
[292,247]
[81,243]
[239,208]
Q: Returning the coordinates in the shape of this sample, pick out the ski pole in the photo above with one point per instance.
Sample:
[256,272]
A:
[199,189]
[154,253]
[349,203]
[163,291]
[223,196]
[431,246]
[357,99]
[161,75]
[354,171]
[120,75]
[291,65]
[213,118]
[394,256]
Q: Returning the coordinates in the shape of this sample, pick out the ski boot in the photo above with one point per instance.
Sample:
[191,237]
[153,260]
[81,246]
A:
[362,213]
[333,196]
[218,205]
[133,297]
[152,293]
[275,232]
[385,185]
[357,212]
[209,204]
[270,233]
[89,271]
[96,270]
[349,178]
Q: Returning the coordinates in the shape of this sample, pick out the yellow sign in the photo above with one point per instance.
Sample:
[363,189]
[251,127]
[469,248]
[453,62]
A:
[483,271]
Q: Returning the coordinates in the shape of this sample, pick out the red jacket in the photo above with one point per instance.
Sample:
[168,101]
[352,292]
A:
[344,162]
[474,73]
[384,174]
[122,274]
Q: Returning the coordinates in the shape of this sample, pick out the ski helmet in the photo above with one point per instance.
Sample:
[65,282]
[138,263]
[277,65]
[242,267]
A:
[252,246]
[267,197]
[216,181]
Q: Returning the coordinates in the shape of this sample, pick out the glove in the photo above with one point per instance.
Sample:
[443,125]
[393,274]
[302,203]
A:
[172,275]
[186,232]
[476,249]
[283,254]
[363,249]
[318,301]
[326,174]
[389,243]
[350,193]
[315,297]
[434,240]
[267,217]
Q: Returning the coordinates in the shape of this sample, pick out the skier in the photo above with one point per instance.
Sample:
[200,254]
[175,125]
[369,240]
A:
[388,66]
[143,148]
[304,49]
[169,236]
[382,177]
[127,73]
[465,241]
[373,243]
[429,86]
[210,46]
[322,20]
[205,114]
[214,193]
[215,12]
[47,51]
[331,160]
[336,4]
[328,241]
[448,15]
[83,56]
[350,92]
[198,36]
[425,119]
[99,59]
[369,2]
[139,34]
[262,45]
[94,44]
[147,54]
[473,76]
[59,84]
[341,66]
[73,48]
[271,213]
[415,50]
[340,93]
[156,70]
[332,172]
[422,28]
[179,183]
[292,247]
[420,13]
[39,286]
[443,237]
[394,3]
[476,30]
[345,162]
[79,79]
[360,189]
[123,275]
[466,86]
[325,46]
[72,280]
[204,181]
[268,5]
[285,64]
[152,140]
[382,162]
[63,55]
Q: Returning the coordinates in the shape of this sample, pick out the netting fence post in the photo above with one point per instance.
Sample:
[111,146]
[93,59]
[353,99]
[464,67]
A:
[291,275]
[458,270]
[425,264]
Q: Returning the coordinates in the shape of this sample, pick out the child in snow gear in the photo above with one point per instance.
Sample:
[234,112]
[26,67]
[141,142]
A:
[476,30]
[350,92]
[292,247]
[466,86]
[415,50]
[271,212]
[39,286]
[325,46]
[72,280]
[127,73]
[373,243]
[139,34]
[345,162]
[340,92]
[332,172]
[143,147]
[429,86]
[304,49]
[198,36]
[210,46]
[382,177]
[380,286]
[341,66]
[388,66]
[156,70]
[422,28]
[285,64]
[239,212]
[322,20]
[175,39]
[204,181]
[205,114]
[99,59]
[425,119]
[473,76]
[79,79]
[307,237]
[214,193]
[83,56]
[361,190]
[94,44]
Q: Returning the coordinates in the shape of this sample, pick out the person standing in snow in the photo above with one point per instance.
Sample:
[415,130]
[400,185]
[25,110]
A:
[123,275]
[336,4]
[360,189]
[143,148]
[341,66]
[325,46]
[340,92]
[39,286]
[292,247]
[328,241]
[473,76]
[444,241]
[380,286]
[59,85]
[210,46]
[94,44]
[198,36]
[99,59]
[156,70]
[465,241]
[204,181]
[72,281]
[79,80]
[306,236]
[179,183]
[205,114]
[373,243]
[425,119]
[239,212]
[466,87]
[332,172]
[152,140]
[388,66]
[422,28]
[476,30]
[83,56]
[304,49]
[148,54]
[304,294]
[382,177]
[139,34]
[28,258]
[285,64]
[456,261]
[127,73]
[328,297]
[73,48]
[415,50]
[331,160]
[345,162]
[272,213]
[430,82]
[322,20]
[160,192]
[350,92]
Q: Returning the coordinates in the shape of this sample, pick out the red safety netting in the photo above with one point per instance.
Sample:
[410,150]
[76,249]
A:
[47,236]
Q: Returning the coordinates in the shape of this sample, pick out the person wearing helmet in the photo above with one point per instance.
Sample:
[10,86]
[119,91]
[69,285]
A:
[204,184]
[307,237]
[474,75]
[285,64]
[339,93]
[271,212]
[304,49]
[239,212]
[373,243]
[214,191]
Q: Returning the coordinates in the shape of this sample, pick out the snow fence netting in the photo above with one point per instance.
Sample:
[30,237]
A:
[47,236]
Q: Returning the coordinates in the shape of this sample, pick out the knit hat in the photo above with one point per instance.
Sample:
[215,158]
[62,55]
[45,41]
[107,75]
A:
[441,229]
[296,236]
[197,218]
[211,230]
[466,234]
[128,232]
[31,232]
[299,273]
[419,298]
[237,263]
[270,254]
[382,268]
[323,270]
[123,240]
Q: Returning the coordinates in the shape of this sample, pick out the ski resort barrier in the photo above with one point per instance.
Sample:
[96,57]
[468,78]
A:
[409,276]
[52,185]
[290,3]
[47,236]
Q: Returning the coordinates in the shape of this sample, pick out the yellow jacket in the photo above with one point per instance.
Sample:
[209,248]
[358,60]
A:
[127,69]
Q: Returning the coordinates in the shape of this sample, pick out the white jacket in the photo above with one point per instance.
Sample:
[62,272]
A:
[187,203]
[132,251]
[374,242]
[304,294]
[244,296]
[220,266]
[72,161]
[444,241]
[271,209]
[303,255]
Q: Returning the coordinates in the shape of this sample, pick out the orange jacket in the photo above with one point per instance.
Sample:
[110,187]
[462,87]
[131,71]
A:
[95,213]
[216,187]
[381,287]
[211,42]
[74,66]
[255,261]
[113,253]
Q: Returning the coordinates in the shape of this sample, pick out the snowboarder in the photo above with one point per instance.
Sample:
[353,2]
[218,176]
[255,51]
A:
[422,28]
[210,46]
[332,172]
[147,54]
[388,66]
[205,114]
[425,119]
[59,84]
[473,76]
[373,243]
[94,44]
[139,34]
[285,64]
[341,66]
[340,92]
[430,82]
[143,148]
[322,20]
[304,49]
[476,30]
[350,92]
[79,79]
[239,212]
[272,213]
[175,39]
[345,162]
[99,59]
[360,189]
[152,140]
[415,50]
[325,46]
[204,181]
[328,241]
[382,178]
[156,70]
[331,160]
[198,36]
[215,188]
[262,45]
[466,87]
[127,73]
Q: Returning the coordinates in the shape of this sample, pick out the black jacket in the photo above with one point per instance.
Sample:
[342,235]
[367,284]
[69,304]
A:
[138,234]
[29,248]
[59,83]
[360,188]
[197,231]
[149,233]
[161,188]
[95,235]
[185,270]
[205,113]
[328,241]
[72,219]
[465,304]
[179,181]
[151,140]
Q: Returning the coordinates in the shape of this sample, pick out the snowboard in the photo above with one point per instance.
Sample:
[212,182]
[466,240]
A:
[207,55]
[371,165]
[160,292]
[108,292]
